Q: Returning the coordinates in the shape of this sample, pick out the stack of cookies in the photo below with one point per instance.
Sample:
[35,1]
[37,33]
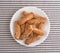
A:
[30,27]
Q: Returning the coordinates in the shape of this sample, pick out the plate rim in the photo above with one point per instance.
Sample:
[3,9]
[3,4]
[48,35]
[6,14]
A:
[30,7]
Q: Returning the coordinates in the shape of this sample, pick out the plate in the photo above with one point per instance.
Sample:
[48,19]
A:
[18,15]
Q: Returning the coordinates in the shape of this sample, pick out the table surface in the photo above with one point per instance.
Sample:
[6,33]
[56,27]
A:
[9,7]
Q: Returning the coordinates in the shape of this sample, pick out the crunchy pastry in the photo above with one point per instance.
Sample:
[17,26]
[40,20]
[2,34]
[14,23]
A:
[25,18]
[30,27]
[37,31]
[31,35]
[42,19]
[33,21]
[22,28]
[41,25]
[25,13]
[32,39]
[26,33]
[26,26]
[17,30]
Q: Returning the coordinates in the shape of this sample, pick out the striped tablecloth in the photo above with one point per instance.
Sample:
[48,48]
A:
[9,7]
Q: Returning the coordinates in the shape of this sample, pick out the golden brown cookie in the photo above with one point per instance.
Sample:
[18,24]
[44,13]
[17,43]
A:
[22,28]
[32,39]
[26,33]
[38,31]
[33,21]
[25,18]
[17,30]
[25,13]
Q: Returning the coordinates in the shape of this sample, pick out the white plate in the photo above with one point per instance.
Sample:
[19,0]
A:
[35,10]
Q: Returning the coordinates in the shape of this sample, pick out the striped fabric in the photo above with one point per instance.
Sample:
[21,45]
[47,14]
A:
[9,7]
